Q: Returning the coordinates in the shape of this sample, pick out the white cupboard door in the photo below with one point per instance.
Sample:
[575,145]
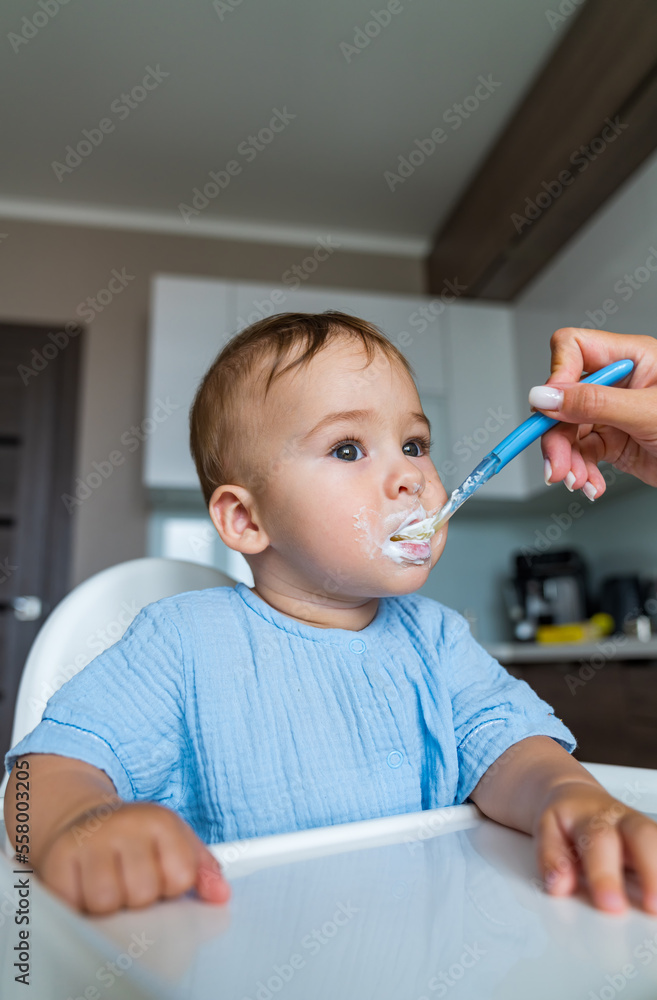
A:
[406,320]
[483,396]
[190,321]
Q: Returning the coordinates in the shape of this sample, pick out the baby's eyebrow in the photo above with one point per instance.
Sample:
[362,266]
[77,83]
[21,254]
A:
[342,416]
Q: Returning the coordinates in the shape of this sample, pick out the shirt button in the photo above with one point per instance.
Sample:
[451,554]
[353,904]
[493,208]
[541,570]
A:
[395,757]
[357,646]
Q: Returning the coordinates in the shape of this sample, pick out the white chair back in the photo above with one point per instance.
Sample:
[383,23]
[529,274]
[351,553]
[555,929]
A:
[90,619]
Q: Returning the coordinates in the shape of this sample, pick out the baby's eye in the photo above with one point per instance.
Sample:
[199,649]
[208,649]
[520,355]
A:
[422,444]
[346,450]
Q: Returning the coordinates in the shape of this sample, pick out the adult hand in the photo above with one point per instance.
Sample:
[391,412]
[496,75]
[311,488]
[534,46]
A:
[600,423]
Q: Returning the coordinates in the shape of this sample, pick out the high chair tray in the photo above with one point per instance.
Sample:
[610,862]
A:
[441,903]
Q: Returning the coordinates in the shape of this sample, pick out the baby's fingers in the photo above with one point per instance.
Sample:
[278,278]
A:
[602,861]
[210,882]
[556,859]
[640,841]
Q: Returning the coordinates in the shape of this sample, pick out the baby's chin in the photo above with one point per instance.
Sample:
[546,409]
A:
[395,578]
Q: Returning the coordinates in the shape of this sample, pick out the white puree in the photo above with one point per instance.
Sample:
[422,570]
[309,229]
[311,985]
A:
[369,526]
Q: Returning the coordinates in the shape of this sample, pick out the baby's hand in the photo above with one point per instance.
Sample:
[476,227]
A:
[138,854]
[583,823]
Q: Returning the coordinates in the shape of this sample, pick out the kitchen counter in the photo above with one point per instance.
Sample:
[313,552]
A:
[609,648]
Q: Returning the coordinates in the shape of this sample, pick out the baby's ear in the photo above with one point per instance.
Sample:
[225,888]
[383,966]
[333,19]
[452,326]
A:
[233,512]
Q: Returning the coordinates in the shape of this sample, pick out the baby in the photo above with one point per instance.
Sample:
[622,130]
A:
[329,692]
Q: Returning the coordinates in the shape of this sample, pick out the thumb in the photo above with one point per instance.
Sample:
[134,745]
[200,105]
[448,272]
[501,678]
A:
[630,410]
[210,882]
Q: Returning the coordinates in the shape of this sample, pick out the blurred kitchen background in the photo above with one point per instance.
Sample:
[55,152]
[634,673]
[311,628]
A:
[468,176]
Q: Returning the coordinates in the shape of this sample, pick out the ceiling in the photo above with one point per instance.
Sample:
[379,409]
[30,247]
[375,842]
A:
[230,65]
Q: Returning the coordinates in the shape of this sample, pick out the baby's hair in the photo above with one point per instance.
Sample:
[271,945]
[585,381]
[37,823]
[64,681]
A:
[223,416]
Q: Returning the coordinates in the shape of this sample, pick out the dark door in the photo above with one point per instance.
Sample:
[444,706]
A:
[39,372]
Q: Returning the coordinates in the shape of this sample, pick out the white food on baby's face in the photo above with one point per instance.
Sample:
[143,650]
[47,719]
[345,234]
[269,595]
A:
[367,523]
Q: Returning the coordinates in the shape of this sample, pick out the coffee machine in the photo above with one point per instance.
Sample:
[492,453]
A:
[549,588]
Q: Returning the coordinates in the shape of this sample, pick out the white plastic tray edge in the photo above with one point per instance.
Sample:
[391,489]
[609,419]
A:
[636,786]
[241,857]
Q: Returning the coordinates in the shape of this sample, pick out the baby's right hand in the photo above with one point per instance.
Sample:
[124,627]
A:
[140,853]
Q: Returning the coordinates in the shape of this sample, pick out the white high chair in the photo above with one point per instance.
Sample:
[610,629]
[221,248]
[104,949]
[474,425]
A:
[90,619]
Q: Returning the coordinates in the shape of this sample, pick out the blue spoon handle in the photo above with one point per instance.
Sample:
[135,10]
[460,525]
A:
[538,423]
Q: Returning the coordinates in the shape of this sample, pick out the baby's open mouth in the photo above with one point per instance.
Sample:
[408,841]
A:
[402,534]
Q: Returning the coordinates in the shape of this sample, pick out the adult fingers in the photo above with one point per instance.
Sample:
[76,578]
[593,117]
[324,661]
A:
[632,411]
[576,350]
[595,484]
[578,474]
[557,446]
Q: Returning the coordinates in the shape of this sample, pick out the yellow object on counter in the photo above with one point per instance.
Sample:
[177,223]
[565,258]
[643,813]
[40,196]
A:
[597,625]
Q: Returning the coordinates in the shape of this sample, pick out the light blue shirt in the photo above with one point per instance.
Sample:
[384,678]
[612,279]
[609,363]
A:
[247,722]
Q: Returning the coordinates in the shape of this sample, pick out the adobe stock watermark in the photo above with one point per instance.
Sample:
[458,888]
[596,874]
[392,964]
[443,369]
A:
[96,642]
[108,973]
[426,830]
[223,7]
[439,984]
[6,569]
[292,278]
[454,116]
[132,439]
[555,18]
[558,524]
[616,982]
[31,26]
[626,287]
[364,36]
[121,107]
[248,149]
[607,649]
[88,309]
[312,943]
[581,158]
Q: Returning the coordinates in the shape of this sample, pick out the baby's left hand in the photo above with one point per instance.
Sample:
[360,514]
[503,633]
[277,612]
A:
[583,828]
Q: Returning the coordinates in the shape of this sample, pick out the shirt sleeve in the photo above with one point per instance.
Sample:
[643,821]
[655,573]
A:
[491,709]
[123,712]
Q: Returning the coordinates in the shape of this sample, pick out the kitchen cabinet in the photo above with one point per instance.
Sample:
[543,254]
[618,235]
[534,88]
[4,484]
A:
[397,316]
[190,321]
[613,715]
[462,353]
[483,396]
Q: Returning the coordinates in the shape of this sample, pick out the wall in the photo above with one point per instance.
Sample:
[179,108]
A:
[48,270]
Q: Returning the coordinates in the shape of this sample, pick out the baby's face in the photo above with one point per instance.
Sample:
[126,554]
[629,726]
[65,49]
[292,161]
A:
[337,489]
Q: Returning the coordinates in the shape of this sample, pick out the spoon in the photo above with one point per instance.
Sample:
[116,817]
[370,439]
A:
[490,465]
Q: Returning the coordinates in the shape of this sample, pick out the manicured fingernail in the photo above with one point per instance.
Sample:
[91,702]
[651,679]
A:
[551,878]
[545,397]
[568,481]
[547,466]
[589,490]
